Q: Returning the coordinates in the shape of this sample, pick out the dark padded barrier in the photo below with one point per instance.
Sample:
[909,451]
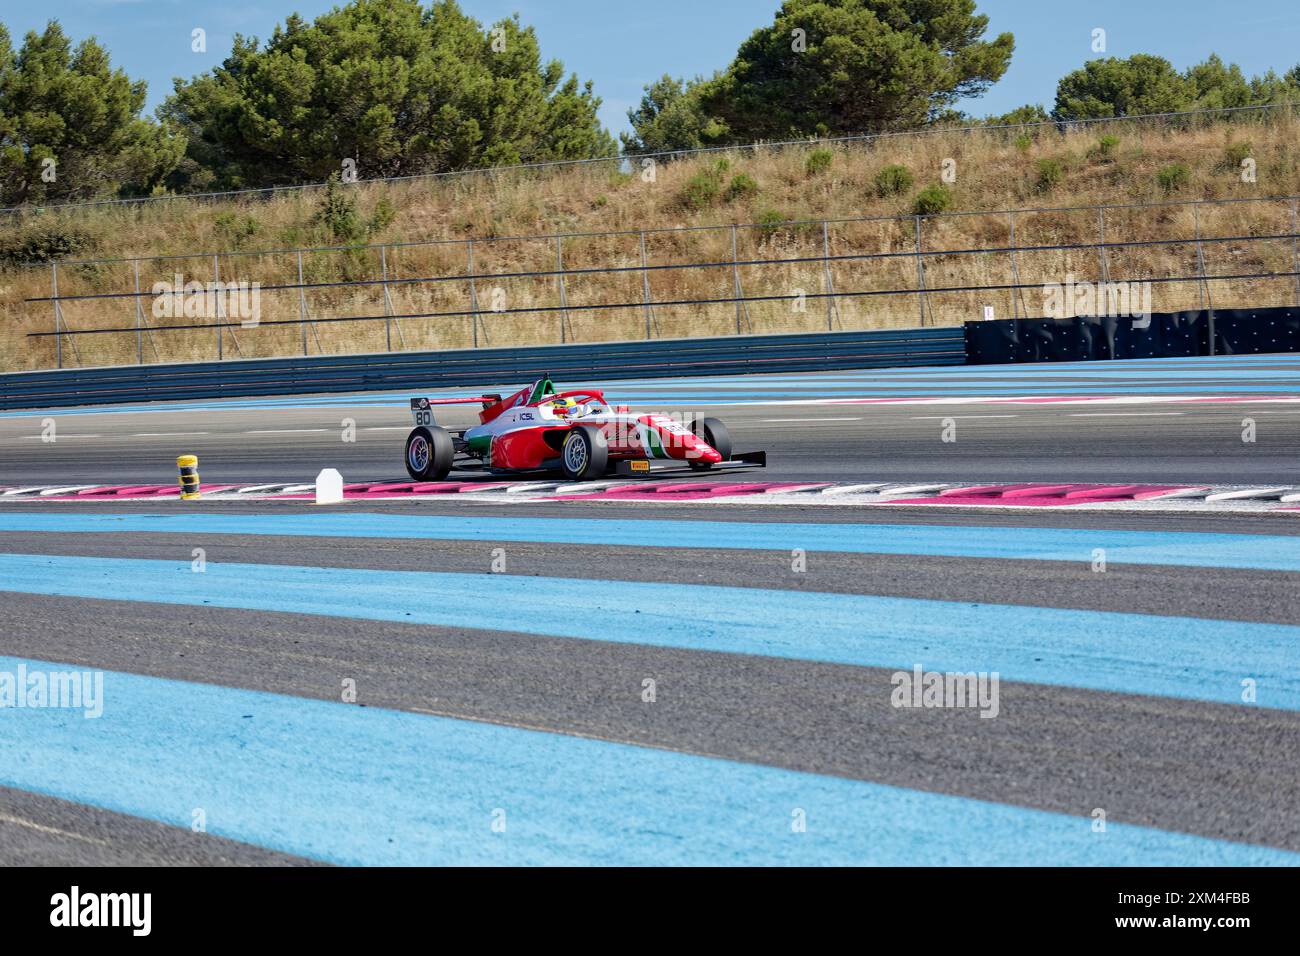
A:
[477,368]
[1169,334]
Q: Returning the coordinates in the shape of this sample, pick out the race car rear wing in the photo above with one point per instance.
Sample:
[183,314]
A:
[421,408]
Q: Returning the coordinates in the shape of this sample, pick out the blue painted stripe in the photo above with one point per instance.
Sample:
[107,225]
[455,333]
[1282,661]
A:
[1073,545]
[358,785]
[1196,374]
[1127,653]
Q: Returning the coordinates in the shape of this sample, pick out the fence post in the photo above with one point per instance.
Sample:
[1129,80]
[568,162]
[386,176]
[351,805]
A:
[216,299]
[388,305]
[920,271]
[302,305]
[1200,265]
[645,285]
[1015,271]
[1101,246]
[1295,252]
[735,272]
[828,279]
[58,315]
[1200,257]
[559,282]
[473,288]
[139,316]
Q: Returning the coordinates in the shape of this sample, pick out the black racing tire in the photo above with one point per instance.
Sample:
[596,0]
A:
[429,453]
[715,433]
[584,453]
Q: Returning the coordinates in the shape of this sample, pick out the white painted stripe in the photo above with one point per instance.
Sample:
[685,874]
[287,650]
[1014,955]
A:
[854,489]
[1123,414]
[1252,493]
[167,434]
[793,421]
[583,487]
[49,831]
[286,431]
[963,418]
[1180,493]
[523,487]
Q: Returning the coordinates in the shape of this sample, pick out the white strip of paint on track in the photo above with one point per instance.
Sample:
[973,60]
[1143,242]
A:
[286,431]
[1123,414]
[167,434]
[791,421]
[386,428]
[49,831]
[57,438]
[964,418]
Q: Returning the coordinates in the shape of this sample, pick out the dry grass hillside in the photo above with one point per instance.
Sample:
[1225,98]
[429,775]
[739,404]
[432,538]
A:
[787,190]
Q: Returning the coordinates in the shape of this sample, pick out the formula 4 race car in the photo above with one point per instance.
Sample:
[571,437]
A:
[576,433]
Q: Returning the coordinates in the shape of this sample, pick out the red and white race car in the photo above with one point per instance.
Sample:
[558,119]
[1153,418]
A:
[577,433]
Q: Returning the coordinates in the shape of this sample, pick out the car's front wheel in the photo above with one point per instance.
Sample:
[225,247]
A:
[719,439]
[429,453]
[584,453]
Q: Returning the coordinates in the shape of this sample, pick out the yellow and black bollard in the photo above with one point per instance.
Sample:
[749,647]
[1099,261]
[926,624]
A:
[189,468]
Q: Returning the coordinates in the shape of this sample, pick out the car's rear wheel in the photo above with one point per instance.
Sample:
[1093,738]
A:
[715,433]
[584,453]
[429,453]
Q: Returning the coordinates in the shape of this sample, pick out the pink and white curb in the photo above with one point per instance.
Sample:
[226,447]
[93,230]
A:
[1071,495]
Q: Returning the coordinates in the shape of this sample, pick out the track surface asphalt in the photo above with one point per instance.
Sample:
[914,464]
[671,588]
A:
[631,683]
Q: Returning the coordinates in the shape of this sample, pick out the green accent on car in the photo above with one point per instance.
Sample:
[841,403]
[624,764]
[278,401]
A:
[543,388]
[481,446]
[655,445]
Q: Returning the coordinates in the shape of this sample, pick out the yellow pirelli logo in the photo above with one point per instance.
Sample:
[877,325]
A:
[640,466]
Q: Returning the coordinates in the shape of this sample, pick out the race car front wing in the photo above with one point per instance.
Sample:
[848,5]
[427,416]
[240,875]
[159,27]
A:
[647,468]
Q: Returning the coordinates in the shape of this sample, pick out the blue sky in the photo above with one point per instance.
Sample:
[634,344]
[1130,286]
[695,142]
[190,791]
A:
[623,44]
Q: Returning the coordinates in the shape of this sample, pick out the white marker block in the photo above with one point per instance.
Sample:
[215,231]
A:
[329,487]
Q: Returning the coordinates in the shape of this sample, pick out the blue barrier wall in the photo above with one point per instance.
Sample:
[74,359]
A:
[1160,335]
[733,355]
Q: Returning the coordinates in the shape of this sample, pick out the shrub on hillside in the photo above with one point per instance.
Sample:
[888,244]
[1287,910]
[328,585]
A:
[1050,174]
[1234,154]
[818,161]
[742,187]
[1173,178]
[44,244]
[704,188]
[1106,150]
[932,200]
[893,181]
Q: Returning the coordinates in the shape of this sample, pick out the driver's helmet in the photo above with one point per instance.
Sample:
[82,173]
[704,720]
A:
[564,408]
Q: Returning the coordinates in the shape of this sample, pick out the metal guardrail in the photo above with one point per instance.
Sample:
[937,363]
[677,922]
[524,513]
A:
[478,368]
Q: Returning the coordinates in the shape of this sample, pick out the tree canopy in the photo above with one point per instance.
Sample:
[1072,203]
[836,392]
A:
[1145,84]
[70,124]
[830,67]
[398,88]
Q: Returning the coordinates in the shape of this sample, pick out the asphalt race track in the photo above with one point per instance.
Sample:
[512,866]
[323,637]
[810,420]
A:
[464,680]
[817,427]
